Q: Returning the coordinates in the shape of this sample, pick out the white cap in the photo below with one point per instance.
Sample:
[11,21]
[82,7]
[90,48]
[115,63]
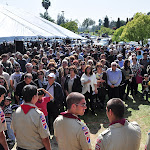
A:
[119,55]
[52,75]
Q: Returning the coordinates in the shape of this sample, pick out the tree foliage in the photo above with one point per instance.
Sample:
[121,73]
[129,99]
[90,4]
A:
[88,22]
[106,22]
[47,17]
[106,30]
[71,25]
[118,24]
[46,4]
[117,34]
[137,29]
[112,24]
[60,19]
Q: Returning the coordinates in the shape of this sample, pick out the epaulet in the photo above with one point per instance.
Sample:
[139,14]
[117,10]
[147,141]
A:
[105,132]
[80,122]
[38,111]
[135,123]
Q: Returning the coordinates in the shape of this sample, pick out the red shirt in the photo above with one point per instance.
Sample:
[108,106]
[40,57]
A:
[42,104]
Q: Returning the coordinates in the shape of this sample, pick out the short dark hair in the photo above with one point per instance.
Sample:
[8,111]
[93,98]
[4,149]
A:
[117,107]
[28,92]
[2,90]
[74,98]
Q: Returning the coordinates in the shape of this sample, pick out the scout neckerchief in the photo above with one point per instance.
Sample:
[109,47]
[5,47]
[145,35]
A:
[122,121]
[69,115]
[26,108]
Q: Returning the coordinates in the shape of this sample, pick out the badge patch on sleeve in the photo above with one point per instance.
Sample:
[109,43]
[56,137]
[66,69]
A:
[43,120]
[97,147]
[2,117]
[88,140]
[84,128]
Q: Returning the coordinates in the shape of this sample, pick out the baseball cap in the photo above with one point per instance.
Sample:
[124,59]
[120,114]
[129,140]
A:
[52,75]
[119,55]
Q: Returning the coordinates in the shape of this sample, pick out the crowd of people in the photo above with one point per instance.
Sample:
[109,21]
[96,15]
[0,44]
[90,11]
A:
[93,71]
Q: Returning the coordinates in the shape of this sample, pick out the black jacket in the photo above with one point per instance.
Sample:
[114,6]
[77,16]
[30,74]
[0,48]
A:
[76,87]
[58,94]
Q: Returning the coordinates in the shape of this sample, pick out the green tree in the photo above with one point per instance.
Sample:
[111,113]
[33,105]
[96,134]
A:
[71,25]
[88,22]
[148,13]
[47,17]
[137,29]
[106,22]
[46,4]
[122,23]
[117,34]
[112,24]
[118,23]
[60,19]
[127,21]
[106,30]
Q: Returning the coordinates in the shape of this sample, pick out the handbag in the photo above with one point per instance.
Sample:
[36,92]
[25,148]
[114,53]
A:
[139,78]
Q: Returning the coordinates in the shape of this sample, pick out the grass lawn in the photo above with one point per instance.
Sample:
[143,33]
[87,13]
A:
[136,110]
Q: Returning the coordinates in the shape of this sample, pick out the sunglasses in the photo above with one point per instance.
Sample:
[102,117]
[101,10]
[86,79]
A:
[2,82]
[99,66]
[51,65]
[82,64]
[40,74]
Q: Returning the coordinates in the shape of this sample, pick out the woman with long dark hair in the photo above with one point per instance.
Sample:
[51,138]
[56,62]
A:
[89,86]
[101,83]
[126,70]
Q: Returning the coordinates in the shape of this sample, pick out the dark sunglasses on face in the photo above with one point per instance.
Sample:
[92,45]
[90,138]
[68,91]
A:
[2,82]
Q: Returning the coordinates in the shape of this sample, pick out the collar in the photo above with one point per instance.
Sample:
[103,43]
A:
[27,106]
[122,121]
[72,78]
[69,115]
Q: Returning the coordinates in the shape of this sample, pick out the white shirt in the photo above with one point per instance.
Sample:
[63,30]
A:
[86,87]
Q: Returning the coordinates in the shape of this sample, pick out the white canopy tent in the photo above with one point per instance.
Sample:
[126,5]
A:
[16,23]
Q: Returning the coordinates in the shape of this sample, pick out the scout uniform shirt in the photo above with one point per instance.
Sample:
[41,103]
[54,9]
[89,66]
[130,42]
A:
[121,135]
[3,126]
[147,146]
[71,133]
[30,127]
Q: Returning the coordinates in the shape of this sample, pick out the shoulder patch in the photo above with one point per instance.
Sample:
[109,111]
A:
[43,120]
[97,147]
[2,117]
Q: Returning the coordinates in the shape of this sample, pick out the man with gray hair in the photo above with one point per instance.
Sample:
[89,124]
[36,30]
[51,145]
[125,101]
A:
[114,78]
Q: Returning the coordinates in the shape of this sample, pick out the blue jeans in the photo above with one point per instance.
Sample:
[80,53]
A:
[10,131]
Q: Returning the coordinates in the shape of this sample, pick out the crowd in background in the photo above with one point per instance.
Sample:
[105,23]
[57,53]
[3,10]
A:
[95,71]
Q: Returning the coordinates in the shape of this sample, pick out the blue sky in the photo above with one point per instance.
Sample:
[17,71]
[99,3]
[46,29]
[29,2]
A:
[81,9]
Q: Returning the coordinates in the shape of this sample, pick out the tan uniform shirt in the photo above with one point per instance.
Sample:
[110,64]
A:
[30,128]
[3,126]
[120,137]
[71,134]
[147,147]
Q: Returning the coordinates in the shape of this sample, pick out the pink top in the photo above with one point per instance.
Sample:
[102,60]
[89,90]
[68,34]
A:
[42,104]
